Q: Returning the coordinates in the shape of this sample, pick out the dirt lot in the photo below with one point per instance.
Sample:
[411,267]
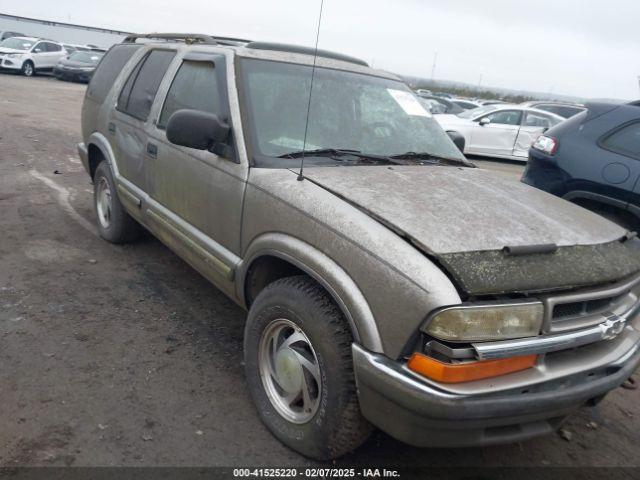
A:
[125,356]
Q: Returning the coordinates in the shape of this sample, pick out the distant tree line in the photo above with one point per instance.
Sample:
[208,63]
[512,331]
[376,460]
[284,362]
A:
[469,92]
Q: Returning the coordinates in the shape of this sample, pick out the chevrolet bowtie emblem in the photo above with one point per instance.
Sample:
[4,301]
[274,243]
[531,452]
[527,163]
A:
[613,326]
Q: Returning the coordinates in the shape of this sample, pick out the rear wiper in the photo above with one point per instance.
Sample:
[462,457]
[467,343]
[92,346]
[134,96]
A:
[336,153]
[435,159]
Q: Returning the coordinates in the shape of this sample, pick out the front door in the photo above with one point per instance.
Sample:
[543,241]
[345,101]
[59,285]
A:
[39,55]
[196,196]
[498,136]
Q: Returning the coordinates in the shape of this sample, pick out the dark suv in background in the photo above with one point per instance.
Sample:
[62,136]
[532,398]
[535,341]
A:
[593,159]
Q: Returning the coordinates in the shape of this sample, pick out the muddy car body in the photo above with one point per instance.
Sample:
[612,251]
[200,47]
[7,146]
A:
[445,305]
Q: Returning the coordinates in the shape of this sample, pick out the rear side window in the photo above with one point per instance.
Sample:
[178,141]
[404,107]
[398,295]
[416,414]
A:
[139,93]
[625,141]
[195,86]
[108,70]
[52,47]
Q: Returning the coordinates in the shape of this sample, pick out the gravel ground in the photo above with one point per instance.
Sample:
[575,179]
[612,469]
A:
[123,355]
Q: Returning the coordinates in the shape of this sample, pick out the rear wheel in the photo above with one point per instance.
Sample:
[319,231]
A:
[300,372]
[114,223]
[28,69]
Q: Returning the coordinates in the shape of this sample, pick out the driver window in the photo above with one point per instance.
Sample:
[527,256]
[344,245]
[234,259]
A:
[195,87]
[505,117]
[39,48]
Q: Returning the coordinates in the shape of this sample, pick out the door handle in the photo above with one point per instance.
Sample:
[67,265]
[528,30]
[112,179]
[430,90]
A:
[152,150]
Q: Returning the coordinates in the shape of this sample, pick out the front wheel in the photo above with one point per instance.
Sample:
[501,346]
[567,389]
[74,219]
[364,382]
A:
[298,363]
[28,69]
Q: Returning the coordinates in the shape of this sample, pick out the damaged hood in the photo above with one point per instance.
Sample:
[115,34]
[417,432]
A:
[454,210]
[466,217]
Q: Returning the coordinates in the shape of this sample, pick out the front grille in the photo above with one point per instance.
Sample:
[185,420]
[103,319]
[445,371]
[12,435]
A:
[571,310]
[580,310]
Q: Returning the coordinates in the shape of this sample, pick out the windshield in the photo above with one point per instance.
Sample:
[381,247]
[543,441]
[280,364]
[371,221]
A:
[86,57]
[16,43]
[349,111]
[477,112]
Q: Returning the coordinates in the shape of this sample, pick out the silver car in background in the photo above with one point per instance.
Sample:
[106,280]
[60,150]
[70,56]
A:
[500,131]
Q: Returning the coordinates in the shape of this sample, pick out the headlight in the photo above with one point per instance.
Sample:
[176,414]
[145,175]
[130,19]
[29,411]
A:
[487,322]
[14,55]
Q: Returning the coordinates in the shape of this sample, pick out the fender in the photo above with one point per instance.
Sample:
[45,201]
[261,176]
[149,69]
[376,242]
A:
[326,272]
[100,141]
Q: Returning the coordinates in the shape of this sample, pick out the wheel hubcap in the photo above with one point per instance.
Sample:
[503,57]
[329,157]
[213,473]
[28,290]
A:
[28,69]
[290,371]
[103,203]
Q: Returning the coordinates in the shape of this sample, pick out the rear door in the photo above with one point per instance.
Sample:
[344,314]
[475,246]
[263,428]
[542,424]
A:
[499,136]
[533,125]
[55,52]
[131,115]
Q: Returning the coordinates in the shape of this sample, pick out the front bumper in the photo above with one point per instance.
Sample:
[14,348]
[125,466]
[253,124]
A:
[10,64]
[513,408]
[72,75]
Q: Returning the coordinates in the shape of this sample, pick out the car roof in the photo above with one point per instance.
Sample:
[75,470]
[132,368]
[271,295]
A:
[265,51]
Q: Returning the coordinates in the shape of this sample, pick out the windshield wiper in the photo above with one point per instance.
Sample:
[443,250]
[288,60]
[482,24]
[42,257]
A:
[337,153]
[435,159]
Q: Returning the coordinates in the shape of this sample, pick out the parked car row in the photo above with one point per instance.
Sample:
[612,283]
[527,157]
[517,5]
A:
[31,55]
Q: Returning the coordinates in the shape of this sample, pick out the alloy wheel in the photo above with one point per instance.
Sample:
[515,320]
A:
[290,371]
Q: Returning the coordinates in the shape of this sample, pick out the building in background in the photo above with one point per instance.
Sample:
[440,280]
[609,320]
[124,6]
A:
[61,32]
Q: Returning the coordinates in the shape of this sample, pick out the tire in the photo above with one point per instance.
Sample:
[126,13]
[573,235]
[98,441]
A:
[114,224]
[335,425]
[28,69]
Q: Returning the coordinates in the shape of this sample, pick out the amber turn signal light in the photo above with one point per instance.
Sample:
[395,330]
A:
[468,372]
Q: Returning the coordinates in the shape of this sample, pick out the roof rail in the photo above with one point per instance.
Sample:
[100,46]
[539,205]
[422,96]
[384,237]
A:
[189,38]
[282,47]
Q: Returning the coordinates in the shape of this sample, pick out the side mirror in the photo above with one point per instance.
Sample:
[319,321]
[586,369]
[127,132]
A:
[457,139]
[37,50]
[196,129]
[485,121]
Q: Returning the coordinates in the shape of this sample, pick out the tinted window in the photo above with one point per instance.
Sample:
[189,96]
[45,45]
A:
[625,141]
[109,69]
[52,47]
[139,92]
[195,86]
[505,117]
[40,46]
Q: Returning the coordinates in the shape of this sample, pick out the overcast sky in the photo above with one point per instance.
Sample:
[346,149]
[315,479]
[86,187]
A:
[585,48]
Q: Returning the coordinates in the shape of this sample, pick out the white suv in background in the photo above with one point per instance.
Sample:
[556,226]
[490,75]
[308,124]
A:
[30,55]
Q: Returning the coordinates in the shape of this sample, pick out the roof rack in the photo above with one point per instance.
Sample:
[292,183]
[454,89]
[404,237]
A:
[189,38]
[282,47]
